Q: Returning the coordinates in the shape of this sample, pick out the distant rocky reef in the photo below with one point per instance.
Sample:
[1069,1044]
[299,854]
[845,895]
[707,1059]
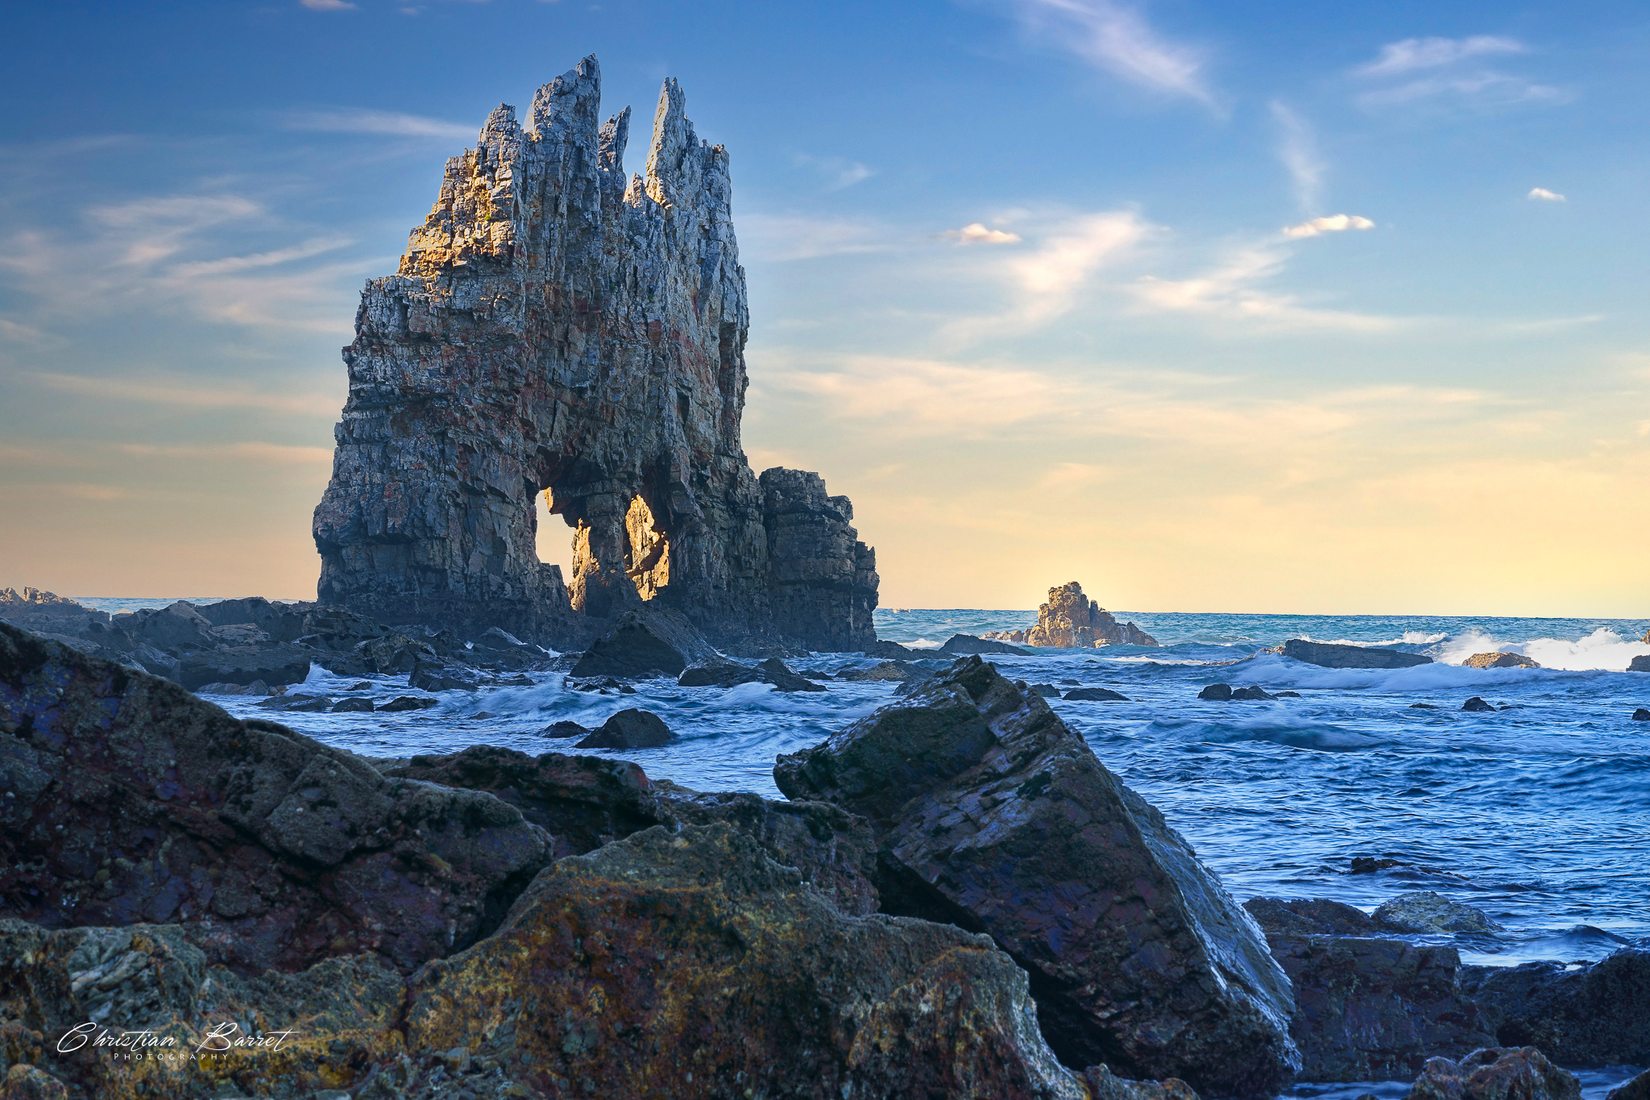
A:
[1070,620]
[560,331]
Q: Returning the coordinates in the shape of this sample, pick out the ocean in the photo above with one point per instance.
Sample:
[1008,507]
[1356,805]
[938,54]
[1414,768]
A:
[1538,813]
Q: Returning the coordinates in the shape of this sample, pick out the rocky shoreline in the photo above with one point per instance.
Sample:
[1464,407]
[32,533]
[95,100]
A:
[958,899]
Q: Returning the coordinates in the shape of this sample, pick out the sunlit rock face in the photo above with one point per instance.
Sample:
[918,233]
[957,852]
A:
[558,328]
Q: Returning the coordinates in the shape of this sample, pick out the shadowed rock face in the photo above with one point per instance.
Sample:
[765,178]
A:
[993,814]
[559,331]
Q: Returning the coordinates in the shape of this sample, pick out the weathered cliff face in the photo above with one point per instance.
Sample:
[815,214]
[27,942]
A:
[557,329]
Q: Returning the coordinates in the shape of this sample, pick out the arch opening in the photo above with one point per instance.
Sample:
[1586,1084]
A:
[647,551]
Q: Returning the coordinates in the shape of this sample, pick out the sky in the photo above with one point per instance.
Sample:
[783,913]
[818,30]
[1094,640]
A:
[1212,306]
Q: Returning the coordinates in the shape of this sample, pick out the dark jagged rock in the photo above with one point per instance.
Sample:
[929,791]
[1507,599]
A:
[886,671]
[1070,620]
[131,800]
[354,705]
[1495,1073]
[1499,660]
[993,814]
[776,673]
[1369,865]
[1639,664]
[960,645]
[1638,1088]
[630,728]
[1367,1008]
[1216,693]
[1094,695]
[563,729]
[1426,911]
[1103,1084]
[723,674]
[1226,693]
[409,702]
[1594,1016]
[891,651]
[1641,715]
[438,675]
[276,663]
[641,646]
[557,328]
[766,988]
[1475,705]
[1252,693]
[1333,655]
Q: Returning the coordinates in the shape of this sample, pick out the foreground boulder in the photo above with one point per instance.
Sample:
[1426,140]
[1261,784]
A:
[1495,1074]
[994,814]
[692,965]
[1070,620]
[1592,1016]
[1638,1088]
[1368,1008]
[128,800]
[1333,655]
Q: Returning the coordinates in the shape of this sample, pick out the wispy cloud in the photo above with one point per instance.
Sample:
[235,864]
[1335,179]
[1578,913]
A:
[980,233]
[327,5]
[790,237]
[360,120]
[837,172]
[1235,290]
[274,454]
[1541,194]
[1332,223]
[1413,54]
[1298,150]
[1119,41]
[179,392]
[231,265]
[1451,70]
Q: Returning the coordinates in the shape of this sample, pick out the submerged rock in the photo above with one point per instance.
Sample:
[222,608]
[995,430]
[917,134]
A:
[1334,655]
[1495,1073]
[1094,695]
[1641,715]
[992,813]
[965,644]
[564,728]
[630,728]
[722,674]
[1499,660]
[1070,620]
[774,672]
[130,800]
[1476,705]
[1425,911]
[886,671]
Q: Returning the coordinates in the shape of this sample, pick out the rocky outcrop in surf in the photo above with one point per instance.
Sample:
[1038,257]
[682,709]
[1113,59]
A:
[559,331]
[1070,620]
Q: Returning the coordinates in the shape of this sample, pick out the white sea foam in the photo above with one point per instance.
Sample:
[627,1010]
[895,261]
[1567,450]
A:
[1604,650]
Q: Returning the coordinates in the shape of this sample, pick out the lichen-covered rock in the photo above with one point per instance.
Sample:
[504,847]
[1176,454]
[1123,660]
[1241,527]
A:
[557,328]
[1427,911]
[992,813]
[129,800]
[691,965]
[1495,1073]
[1499,660]
[1070,620]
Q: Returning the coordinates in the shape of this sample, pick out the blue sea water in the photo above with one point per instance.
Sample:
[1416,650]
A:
[1538,813]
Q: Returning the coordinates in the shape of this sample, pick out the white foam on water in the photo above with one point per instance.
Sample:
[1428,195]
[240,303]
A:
[1604,650]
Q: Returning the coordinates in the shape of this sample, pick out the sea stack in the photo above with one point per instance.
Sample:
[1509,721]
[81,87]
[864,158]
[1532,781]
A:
[1070,620]
[559,331]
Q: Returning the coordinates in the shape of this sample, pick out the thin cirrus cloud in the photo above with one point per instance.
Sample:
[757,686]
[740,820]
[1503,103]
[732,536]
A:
[838,173]
[1118,40]
[1332,223]
[1451,70]
[1298,151]
[327,5]
[369,122]
[980,233]
[1236,289]
[1541,194]
[185,393]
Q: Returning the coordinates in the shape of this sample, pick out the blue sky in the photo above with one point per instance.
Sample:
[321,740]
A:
[1213,306]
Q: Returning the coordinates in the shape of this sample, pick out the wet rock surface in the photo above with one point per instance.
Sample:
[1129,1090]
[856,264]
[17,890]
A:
[993,814]
[1594,1015]
[1334,655]
[1495,1073]
[631,728]
[1070,620]
[1428,911]
[560,330]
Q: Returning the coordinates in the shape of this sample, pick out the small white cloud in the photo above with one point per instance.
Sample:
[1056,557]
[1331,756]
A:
[980,233]
[1412,54]
[327,5]
[1541,194]
[1333,223]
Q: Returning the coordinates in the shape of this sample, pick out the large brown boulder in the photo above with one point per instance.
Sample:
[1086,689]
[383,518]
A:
[994,814]
[1591,1016]
[1495,1073]
[691,965]
[129,800]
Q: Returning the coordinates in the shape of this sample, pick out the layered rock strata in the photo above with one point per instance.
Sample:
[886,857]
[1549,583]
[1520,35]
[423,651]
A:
[560,331]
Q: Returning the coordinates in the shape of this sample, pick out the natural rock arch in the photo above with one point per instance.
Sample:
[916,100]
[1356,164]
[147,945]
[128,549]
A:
[555,325]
